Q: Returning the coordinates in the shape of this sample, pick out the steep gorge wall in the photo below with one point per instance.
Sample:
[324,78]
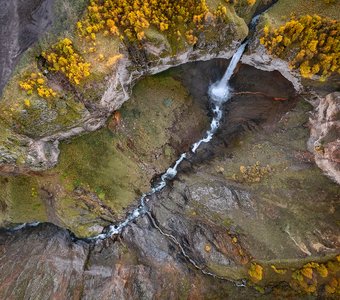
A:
[22,23]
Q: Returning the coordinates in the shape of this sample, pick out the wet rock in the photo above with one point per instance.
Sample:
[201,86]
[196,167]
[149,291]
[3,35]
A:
[324,141]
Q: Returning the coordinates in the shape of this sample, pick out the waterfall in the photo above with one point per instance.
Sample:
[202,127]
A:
[219,92]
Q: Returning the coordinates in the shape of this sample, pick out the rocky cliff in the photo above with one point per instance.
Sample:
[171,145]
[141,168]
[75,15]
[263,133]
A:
[33,132]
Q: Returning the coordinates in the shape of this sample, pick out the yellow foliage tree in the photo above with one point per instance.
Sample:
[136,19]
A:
[130,18]
[314,42]
[63,57]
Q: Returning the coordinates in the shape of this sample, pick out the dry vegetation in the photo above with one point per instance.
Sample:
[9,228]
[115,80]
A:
[308,279]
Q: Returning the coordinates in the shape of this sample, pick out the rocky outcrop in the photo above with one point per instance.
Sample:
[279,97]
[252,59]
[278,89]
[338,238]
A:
[46,126]
[21,25]
[258,57]
[324,141]
[47,263]
[52,266]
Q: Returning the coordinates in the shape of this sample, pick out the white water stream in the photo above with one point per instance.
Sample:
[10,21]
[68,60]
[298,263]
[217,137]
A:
[219,93]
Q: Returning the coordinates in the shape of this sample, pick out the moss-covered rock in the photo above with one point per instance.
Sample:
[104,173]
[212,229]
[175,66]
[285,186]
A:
[101,174]
[115,68]
[276,16]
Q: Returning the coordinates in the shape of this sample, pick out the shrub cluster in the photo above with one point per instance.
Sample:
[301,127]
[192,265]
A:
[62,57]
[131,18]
[35,82]
[314,42]
[309,277]
[125,19]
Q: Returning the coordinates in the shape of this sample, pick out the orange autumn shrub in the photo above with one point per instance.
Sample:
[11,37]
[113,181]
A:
[131,18]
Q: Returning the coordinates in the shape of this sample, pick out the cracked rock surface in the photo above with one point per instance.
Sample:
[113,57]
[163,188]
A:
[325,135]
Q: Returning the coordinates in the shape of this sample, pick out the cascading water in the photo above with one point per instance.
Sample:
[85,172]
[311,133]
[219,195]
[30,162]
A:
[219,93]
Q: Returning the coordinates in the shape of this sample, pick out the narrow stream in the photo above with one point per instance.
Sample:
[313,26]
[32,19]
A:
[219,93]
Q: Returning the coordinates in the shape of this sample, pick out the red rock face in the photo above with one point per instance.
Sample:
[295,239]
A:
[325,135]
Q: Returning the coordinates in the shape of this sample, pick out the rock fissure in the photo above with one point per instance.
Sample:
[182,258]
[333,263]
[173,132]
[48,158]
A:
[239,283]
[263,94]
[85,269]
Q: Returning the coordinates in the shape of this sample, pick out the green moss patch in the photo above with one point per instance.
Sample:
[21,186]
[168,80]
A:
[101,174]
[21,200]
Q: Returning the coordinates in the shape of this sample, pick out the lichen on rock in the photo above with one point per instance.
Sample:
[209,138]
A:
[324,141]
